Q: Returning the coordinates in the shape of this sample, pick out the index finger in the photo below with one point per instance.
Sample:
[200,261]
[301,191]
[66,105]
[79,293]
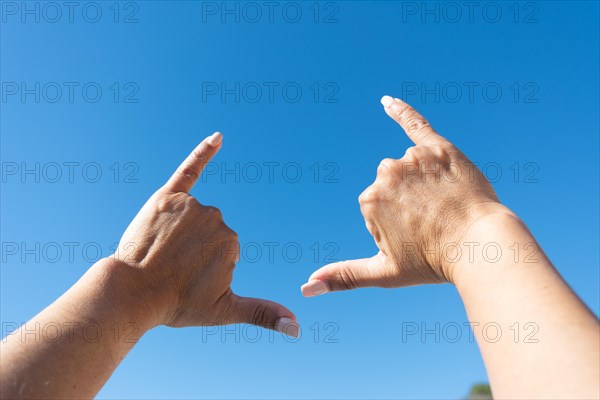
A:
[190,169]
[414,124]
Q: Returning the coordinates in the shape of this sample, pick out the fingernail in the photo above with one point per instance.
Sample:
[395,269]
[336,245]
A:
[287,326]
[387,101]
[314,288]
[215,138]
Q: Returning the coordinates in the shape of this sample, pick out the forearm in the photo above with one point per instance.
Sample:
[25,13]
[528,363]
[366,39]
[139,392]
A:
[71,348]
[549,341]
[162,275]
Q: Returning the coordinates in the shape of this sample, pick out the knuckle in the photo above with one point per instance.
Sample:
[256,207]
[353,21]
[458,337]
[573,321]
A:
[229,235]
[386,166]
[412,156]
[417,125]
[231,252]
[428,153]
[348,279]
[232,235]
[369,196]
[414,121]
[199,154]
[162,203]
[411,153]
[260,315]
[441,153]
[370,201]
[449,149]
[170,202]
[373,230]
[215,212]
[188,172]
[186,199]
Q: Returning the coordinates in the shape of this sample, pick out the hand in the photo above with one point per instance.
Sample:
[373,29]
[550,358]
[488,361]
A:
[428,198]
[184,255]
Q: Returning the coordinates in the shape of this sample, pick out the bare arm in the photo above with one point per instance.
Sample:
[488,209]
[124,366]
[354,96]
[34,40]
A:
[174,267]
[434,198]
[550,343]
[72,347]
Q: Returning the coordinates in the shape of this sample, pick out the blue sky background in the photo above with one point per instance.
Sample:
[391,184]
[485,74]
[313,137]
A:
[546,53]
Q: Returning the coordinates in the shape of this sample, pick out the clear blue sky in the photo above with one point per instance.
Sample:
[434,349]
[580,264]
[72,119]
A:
[517,91]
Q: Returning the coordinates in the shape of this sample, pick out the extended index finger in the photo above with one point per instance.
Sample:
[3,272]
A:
[190,169]
[414,124]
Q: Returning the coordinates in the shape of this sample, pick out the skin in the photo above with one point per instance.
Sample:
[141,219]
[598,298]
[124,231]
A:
[175,262]
[434,197]
[174,267]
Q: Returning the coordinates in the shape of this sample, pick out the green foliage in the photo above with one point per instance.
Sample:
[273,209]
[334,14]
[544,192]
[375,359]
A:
[480,391]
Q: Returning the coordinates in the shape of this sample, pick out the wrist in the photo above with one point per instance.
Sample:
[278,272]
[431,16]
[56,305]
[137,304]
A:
[122,286]
[493,240]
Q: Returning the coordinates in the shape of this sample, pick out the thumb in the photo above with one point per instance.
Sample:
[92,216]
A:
[264,313]
[347,275]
